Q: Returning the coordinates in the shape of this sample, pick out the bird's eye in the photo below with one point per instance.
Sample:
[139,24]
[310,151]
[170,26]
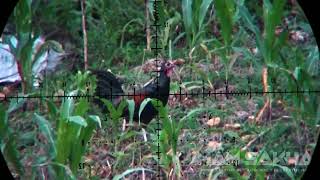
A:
[168,64]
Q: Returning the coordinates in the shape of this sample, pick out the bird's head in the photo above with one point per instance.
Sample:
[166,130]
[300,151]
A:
[168,67]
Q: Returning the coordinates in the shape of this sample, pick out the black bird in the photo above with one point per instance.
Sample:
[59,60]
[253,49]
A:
[108,84]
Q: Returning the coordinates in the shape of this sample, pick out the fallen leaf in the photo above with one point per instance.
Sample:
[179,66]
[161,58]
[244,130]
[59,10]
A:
[250,155]
[178,61]
[235,126]
[265,79]
[7,90]
[214,145]
[251,118]
[292,161]
[278,31]
[247,137]
[298,36]
[2,96]
[242,115]
[215,121]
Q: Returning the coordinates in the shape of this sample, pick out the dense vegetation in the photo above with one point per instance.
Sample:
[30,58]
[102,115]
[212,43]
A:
[267,43]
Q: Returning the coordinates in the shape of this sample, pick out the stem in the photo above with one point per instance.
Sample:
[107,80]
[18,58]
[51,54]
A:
[227,55]
[85,39]
[146,2]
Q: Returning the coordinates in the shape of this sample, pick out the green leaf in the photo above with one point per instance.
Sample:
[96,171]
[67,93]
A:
[3,122]
[131,106]
[79,148]
[130,171]
[8,143]
[128,135]
[27,138]
[74,140]
[286,170]
[82,107]
[187,17]
[272,65]
[67,106]
[52,108]
[109,105]
[297,73]
[187,13]
[225,12]
[61,143]
[203,11]
[46,129]
[65,168]
[22,14]
[121,107]
[16,104]
[96,119]
[313,62]
[12,155]
[143,105]
[176,162]
[193,112]
[78,120]
[248,20]
[191,123]
[167,124]
[272,18]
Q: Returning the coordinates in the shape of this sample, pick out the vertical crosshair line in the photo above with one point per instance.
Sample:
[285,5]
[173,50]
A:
[156,15]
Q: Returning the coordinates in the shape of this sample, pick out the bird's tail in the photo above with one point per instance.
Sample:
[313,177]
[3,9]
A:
[108,87]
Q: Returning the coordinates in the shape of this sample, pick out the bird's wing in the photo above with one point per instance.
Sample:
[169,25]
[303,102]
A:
[149,90]
[108,86]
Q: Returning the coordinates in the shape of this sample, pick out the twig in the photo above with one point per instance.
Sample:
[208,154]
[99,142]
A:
[267,104]
[85,39]
[255,139]
[146,2]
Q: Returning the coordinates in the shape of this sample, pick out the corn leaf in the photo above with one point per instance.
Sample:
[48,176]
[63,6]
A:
[131,109]
[143,105]
[203,11]
[225,12]
[46,129]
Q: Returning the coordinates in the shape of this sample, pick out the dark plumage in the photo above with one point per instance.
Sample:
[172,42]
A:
[107,84]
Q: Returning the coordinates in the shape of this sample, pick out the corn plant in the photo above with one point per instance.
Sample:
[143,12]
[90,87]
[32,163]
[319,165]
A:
[267,43]
[168,139]
[115,114]
[74,132]
[166,42]
[275,54]
[225,11]
[28,48]
[194,13]
[299,78]
[74,129]
[23,19]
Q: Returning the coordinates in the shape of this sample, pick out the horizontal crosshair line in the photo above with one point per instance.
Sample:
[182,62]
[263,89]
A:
[235,93]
